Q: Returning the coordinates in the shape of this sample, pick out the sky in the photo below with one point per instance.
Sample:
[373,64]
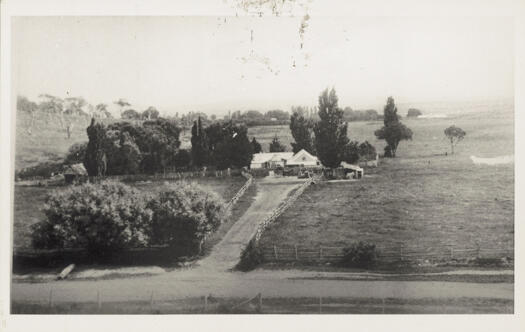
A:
[215,64]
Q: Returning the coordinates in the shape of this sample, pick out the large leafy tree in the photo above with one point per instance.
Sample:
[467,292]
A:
[393,130]
[275,145]
[302,132]
[235,149]
[330,131]
[454,135]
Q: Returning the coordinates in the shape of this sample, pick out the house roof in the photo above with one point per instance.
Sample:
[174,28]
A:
[259,158]
[76,169]
[301,157]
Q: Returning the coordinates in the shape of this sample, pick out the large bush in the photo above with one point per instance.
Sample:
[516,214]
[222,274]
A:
[184,215]
[360,255]
[98,217]
[251,257]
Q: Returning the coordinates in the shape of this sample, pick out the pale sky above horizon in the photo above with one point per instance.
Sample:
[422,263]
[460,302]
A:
[216,64]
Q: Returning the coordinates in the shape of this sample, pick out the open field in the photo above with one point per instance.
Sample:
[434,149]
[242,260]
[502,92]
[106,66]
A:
[421,199]
[29,201]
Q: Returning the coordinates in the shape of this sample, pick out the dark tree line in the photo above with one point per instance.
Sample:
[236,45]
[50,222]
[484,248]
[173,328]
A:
[126,148]
[221,145]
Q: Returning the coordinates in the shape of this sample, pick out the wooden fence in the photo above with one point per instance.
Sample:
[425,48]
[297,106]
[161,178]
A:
[277,212]
[324,254]
[240,192]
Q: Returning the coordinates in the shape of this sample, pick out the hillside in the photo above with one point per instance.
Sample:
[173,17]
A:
[46,140]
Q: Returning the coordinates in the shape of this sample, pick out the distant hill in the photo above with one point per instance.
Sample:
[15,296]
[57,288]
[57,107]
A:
[43,138]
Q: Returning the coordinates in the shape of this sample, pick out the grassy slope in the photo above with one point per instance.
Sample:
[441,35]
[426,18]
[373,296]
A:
[418,198]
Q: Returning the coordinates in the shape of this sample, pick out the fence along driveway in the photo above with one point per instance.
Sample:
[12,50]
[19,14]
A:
[270,194]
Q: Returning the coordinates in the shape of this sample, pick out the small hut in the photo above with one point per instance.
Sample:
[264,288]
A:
[75,173]
[354,170]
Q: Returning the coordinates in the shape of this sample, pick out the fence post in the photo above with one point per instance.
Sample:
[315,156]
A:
[151,300]
[259,304]
[205,303]
[296,256]
[401,252]
[275,252]
[50,297]
[477,250]
[320,305]
[320,253]
[383,307]
[451,252]
[99,301]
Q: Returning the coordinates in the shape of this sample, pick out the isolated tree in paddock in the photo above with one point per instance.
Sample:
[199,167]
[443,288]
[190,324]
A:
[393,130]
[276,146]
[302,132]
[330,131]
[454,135]
[199,147]
[256,147]
[95,158]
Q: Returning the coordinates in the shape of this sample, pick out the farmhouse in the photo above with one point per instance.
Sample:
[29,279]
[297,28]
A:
[74,173]
[355,170]
[271,160]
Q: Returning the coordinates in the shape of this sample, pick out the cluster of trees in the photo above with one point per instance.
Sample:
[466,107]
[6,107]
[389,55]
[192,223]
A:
[255,118]
[127,148]
[221,145]
[327,136]
[359,115]
[413,113]
[111,216]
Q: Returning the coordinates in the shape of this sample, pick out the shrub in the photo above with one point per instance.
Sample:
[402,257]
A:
[184,214]
[359,254]
[41,170]
[251,256]
[98,217]
[76,153]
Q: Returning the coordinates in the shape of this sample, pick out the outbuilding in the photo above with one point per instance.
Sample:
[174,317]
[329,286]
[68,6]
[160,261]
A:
[355,170]
[75,173]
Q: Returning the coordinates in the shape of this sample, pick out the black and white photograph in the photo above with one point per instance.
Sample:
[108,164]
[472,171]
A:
[261,157]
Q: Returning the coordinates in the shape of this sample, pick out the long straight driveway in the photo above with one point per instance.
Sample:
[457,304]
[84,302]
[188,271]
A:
[271,192]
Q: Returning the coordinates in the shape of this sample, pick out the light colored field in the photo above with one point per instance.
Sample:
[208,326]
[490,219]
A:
[422,198]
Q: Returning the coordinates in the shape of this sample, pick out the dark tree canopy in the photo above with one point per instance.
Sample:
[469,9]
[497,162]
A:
[454,135]
[132,148]
[276,146]
[413,113]
[95,157]
[256,147]
[393,130]
[302,132]
[330,131]
[199,146]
